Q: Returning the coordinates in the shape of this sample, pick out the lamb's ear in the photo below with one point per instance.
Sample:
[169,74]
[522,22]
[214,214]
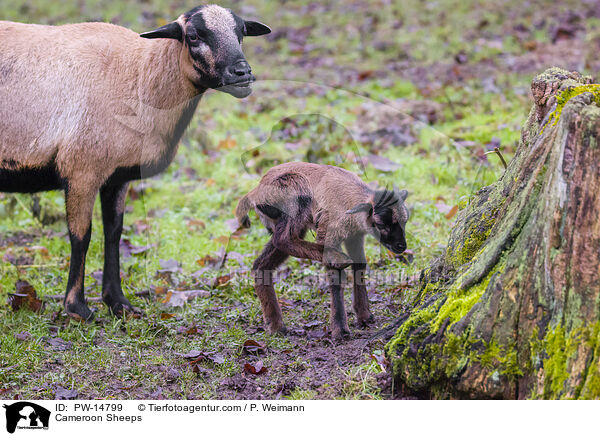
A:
[403,194]
[171,31]
[254,28]
[362,207]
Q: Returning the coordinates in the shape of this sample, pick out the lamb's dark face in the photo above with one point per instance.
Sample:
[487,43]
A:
[212,36]
[389,219]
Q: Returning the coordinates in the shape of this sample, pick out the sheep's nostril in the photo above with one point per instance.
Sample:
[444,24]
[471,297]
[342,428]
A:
[241,69]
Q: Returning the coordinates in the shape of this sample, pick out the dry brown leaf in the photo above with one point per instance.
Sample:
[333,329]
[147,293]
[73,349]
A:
[256,369]
[223,280]
[253,347]
[25,297]
[452,212]
[227,143]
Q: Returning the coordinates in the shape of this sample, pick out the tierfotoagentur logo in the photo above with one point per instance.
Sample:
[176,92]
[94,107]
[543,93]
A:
[26,416]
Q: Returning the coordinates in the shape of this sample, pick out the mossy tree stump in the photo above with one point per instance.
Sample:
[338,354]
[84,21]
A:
[512,310]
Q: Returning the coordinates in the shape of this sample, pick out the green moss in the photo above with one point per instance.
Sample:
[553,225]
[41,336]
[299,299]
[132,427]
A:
[434,360]
[563,98]
[461,301]
[555,355]
[466,245]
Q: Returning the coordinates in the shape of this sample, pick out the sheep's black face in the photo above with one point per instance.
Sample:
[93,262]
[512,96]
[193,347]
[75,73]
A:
[389,219]
[212,36]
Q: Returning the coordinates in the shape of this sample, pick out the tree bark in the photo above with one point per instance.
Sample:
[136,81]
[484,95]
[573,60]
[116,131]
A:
[512,309]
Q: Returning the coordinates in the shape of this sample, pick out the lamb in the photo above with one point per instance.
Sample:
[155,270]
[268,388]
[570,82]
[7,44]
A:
[89,107]
[294,197]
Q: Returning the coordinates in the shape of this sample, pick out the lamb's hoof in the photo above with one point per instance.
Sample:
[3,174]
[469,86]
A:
[79,312]
[123,307]
[277,329]
[365,320]
[340,335]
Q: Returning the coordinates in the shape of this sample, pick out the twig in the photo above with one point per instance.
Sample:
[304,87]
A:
[497,151]
[29,212]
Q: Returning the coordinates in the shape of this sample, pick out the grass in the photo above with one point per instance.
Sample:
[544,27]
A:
[183,214]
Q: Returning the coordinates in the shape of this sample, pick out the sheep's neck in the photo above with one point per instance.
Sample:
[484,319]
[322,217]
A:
[167,99]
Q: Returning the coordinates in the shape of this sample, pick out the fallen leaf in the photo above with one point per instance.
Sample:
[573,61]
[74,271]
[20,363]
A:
[194,224]
[39,248]
[128,249]
[223,280]
[382,163]
[452,212]
[23,336]
[232,224]
[256,369]
[65,394]
[381,360]
[443,208]
[217,358]
[208,260]
[188,330]
[168,266]
[222,240]
[59,344]
[25,297]
[316,334]
[193,354]
[179,298]
[227,143]
[253,347]
[312,324]
[160,290]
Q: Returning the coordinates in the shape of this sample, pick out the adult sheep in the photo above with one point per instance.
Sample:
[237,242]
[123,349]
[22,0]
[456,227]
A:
[89,107]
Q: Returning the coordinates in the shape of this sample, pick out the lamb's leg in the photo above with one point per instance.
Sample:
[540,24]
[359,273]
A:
[80,204]
[113,206]
[263,269]
[338,319]
[287,237]
[360,301]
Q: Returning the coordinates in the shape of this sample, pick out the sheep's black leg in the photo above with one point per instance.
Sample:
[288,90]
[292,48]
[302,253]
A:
[80,203]
[338,319]
[112,198]
[360,301]
[263,270]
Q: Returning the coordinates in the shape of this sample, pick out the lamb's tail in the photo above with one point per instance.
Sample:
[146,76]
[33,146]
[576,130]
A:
[241,211]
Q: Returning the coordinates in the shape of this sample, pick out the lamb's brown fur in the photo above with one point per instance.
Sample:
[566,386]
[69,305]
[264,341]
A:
[294,197]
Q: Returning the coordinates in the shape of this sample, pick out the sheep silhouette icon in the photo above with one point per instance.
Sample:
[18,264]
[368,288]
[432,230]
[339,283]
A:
[24,414]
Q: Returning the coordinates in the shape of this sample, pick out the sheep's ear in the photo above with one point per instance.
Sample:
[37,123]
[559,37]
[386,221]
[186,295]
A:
[171,31]
[254,28]
[362,207]
[403,194]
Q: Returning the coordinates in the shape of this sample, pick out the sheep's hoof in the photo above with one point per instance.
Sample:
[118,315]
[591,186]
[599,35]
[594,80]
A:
[79,312]
[123,307]
[277,329]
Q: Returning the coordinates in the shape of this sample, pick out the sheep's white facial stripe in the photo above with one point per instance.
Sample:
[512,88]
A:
[221,22]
